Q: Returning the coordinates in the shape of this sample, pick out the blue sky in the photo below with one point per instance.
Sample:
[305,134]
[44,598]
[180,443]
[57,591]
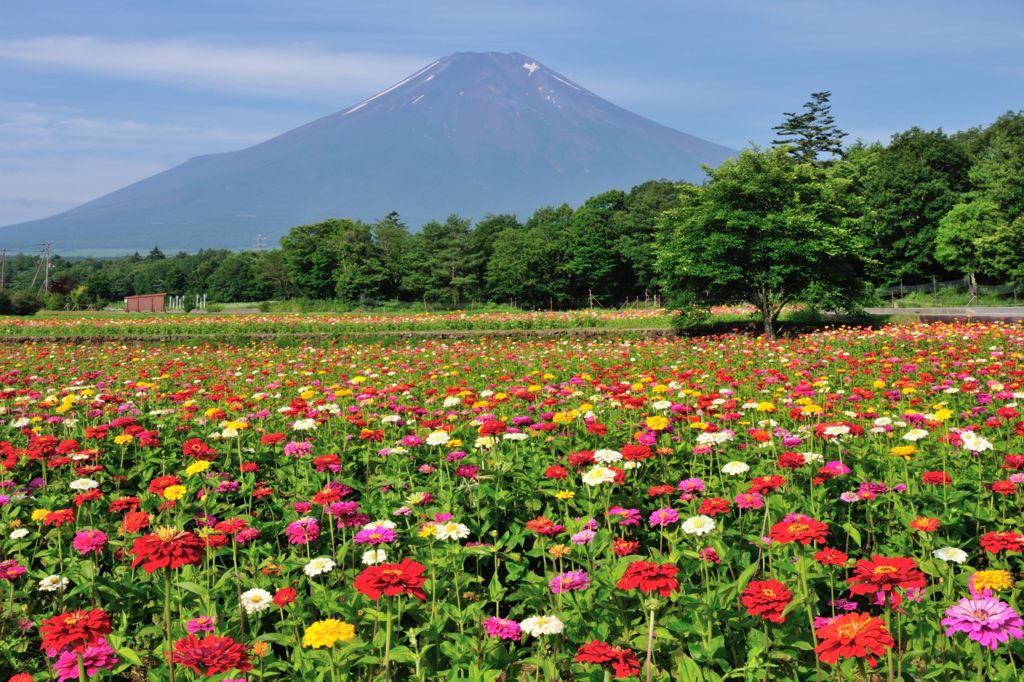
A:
[95,94]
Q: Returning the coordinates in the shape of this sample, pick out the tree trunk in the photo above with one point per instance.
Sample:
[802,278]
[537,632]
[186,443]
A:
[769,326]
[972,284]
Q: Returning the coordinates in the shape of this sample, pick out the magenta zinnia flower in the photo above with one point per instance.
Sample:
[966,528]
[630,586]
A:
[663,517]
[503,628]
[375,535]
[11,569]
[569,581]
[303,531]
[95,658]
[90,541]
[985,620]
[200,624]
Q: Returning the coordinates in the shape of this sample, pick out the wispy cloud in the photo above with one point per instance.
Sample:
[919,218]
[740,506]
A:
[54,158]
[299,70]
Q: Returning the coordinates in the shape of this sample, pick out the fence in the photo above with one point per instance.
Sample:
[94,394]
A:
[961,284]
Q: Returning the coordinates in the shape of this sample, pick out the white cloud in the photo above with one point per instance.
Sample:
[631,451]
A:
[298,70]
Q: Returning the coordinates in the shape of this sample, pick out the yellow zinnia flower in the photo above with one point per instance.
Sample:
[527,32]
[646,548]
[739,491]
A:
[324,633]
[992,580]
[904,451]
[175,492]
[197,468]
[657,423]
[565,495]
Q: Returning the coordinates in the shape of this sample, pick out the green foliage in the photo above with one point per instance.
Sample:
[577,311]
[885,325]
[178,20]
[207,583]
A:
[766,230]
[20,302]
[907,188]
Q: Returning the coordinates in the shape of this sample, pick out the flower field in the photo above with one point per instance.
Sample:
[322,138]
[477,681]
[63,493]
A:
[837,506]
[220,326]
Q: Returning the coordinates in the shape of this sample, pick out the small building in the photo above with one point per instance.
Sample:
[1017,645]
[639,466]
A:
[147,303]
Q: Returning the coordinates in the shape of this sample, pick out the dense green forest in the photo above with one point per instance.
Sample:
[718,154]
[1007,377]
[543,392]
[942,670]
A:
[928,205]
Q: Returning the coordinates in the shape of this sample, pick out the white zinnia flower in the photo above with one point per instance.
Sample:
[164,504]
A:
[735,468]
[973,442]
[838,430]
[256,600]
[882,421]
[451,531]
[52,583]
[438,438]
[452,401]
[386,523]
[598,475]
[812,457]
[18,533]
[698,525]
[607,456]
[662,405]
[950,554]
[83,484]
[514,436]
[542,625]
[372,557]
[319,565]
[914,435]
[304,425]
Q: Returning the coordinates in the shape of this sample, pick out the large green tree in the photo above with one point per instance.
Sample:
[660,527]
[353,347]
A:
[765,230]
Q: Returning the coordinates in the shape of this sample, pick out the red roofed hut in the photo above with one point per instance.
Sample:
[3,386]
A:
[147,303]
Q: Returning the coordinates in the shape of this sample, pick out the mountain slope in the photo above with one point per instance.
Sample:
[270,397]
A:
[472,133]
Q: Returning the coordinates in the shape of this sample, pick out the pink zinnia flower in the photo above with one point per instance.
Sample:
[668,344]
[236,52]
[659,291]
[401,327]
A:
[986,620]
[303,531]
[11,569]
[87,541]
[95,658]
[503,628]
[749,501]
[200,624]
[570,581]
[375,535]
[664,517]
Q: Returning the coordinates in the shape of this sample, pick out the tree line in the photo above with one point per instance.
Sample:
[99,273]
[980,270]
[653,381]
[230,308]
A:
[926,205]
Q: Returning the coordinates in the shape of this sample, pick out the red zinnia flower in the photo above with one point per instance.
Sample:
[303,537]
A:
[635,453]
[936,478]
[766,484]
[1009,540]
[556,471]
[284,596]
[767,598]
[74,630]
[855,635]
[623,547]
[134,521]
[1004,487]
[648,576]
[925,524]
[211,654]
[831,557]
[392,580]
[59,518]
[712,506]
[799,528]
[166,548]
[622,661]
[881,574]
[544,526]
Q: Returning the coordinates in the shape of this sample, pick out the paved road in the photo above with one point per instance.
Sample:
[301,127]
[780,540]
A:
[1008,313]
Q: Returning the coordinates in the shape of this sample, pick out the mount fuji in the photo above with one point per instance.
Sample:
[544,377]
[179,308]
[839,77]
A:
[472,133]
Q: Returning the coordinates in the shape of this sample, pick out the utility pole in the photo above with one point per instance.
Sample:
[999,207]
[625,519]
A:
[46,273]
[3,263]
[259,243]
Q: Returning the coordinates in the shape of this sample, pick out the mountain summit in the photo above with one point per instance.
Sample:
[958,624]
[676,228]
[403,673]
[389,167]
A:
[471,133]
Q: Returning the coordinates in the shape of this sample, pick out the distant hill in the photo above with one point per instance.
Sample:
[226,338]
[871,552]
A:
[472,133]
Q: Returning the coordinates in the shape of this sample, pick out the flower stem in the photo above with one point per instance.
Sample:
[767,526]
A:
[167,622]
[649,665]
